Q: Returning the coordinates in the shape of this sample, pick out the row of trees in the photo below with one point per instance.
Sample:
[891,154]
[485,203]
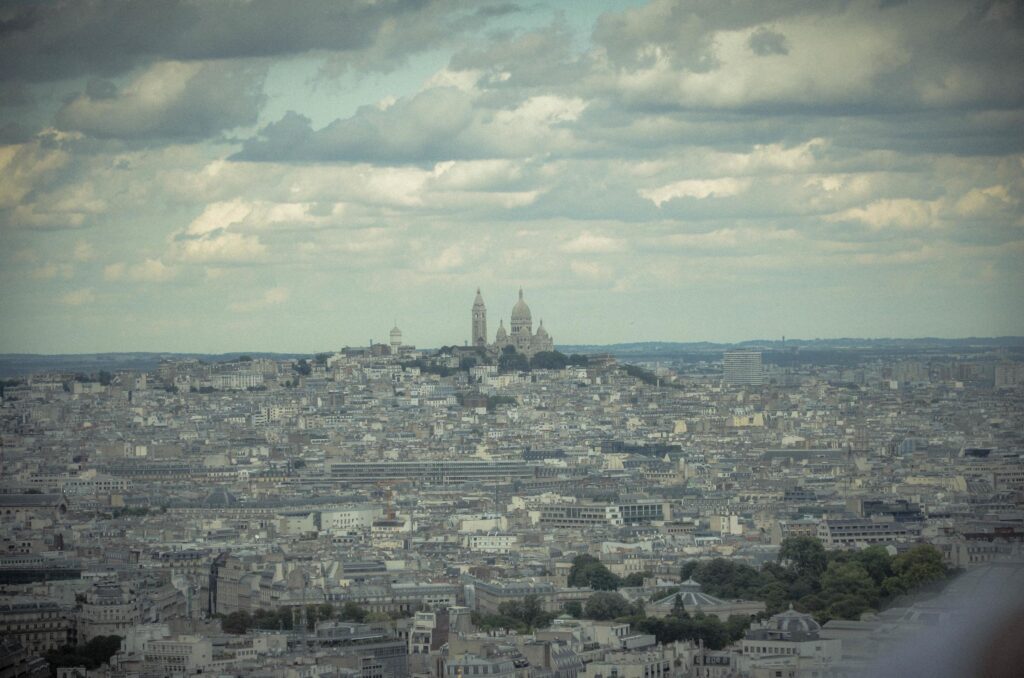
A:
[827,584]
[521,615]
[511,360]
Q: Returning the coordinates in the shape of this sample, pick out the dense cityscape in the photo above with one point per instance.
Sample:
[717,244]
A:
[482,510]
[505,339]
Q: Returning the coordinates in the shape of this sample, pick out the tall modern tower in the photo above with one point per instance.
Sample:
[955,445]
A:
[479,332]
[743,368]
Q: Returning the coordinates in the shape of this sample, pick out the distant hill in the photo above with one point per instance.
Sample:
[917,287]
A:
[822,351]
[808,351]
[21,364]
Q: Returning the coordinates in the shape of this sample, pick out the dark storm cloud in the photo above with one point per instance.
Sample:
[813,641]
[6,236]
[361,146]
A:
[765,42]
[61,39]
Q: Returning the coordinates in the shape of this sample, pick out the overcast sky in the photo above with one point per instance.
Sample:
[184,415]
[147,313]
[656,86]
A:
[297,176]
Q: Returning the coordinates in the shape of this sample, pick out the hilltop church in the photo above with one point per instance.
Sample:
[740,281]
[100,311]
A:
[520,336]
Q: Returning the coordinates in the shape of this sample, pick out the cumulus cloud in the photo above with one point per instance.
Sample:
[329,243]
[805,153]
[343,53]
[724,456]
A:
[170,99]
[757,56]
[83,251]
[79,297]
[591,243]
[695,188]
[436,124]
[149,270]
[52,270]
[262,214]
[272,297]
[986,201]
[898,213]
[219,247]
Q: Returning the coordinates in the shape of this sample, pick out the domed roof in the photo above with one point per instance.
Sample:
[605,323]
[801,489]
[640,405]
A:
[520,312]
[502,334]
[541,332]
[793,622]
[395,332]
[691,596]
[479,301]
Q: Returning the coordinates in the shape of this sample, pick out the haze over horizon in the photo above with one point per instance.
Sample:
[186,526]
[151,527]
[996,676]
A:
[292,177]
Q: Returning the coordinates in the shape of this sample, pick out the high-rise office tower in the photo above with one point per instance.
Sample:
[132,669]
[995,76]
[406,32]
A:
[743,368]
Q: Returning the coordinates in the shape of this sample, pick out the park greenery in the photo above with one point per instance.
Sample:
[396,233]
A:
[826,584]
[91,655]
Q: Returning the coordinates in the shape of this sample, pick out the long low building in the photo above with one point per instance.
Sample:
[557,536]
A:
[583,515]
[847,533]
[439,472]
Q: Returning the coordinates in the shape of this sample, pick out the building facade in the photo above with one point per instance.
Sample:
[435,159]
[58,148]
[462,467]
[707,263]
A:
[742,368]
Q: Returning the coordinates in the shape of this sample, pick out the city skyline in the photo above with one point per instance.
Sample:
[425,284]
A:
[295,178]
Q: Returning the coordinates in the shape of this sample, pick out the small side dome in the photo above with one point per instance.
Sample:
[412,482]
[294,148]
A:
[541,332]
[502,334]
[793,622]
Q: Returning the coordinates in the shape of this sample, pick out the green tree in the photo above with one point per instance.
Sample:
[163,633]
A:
[91,655]
[736,626]
[805,554]
[351,611]
[589,571]
[679,608]
[848,579]
[548,360]
[237,622]
[920,567]
[635,579]
[877,561]
[512,361]
[845,607]
[574,608]
[528,612]
[605,605]
[688,568]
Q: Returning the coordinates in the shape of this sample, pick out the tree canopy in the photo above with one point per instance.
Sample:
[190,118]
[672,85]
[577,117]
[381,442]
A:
[827,584]
[588,571]
[91,655]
